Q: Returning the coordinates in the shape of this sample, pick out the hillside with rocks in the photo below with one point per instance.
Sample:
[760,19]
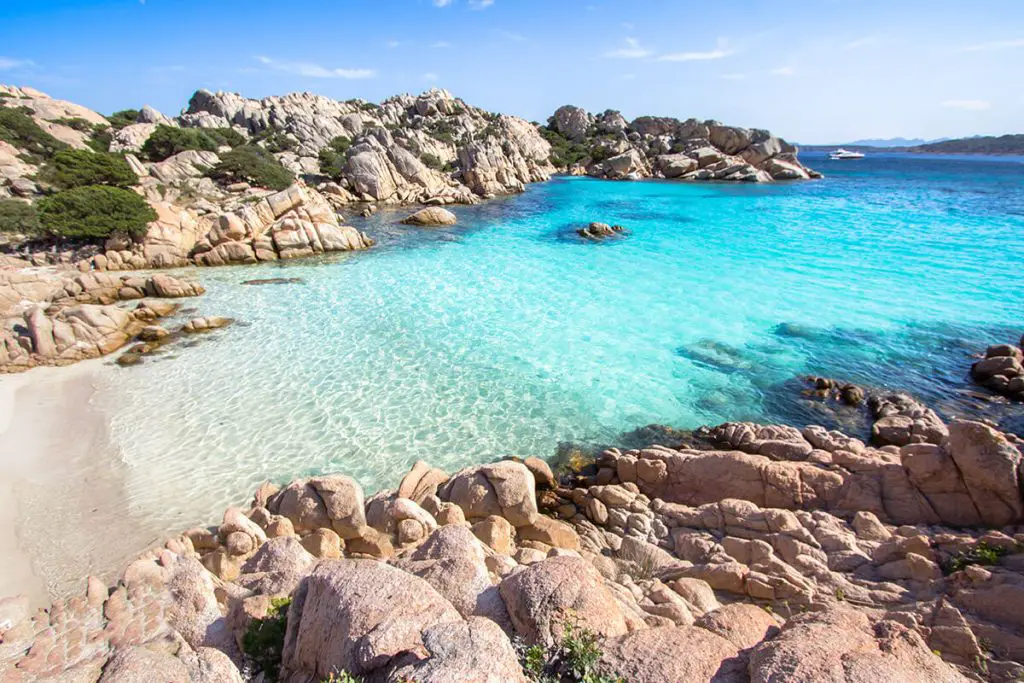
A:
[210,174]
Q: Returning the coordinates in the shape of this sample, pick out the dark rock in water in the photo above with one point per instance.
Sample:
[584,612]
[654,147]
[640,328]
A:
[276,281]
[1001,371]
[716,355]
[663,435]
[599,231]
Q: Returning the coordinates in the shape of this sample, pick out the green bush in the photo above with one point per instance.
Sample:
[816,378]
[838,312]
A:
[125,117]
[432,161]
[334,156]
[19,129]
[254,165]
[981,554]
[564,152]
[275,141]
[78,168]
[95,211]
[76,122]
[101,138]
[264,639]
[18,217]
[576,659]
[166,141]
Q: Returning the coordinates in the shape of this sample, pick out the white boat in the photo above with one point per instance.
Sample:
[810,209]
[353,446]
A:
[841,154]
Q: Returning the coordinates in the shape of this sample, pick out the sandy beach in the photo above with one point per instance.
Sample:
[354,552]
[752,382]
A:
[60,482]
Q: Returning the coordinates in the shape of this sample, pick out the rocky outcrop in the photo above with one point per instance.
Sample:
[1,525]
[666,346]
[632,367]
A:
[668,148]
[599,231]
[759,562]
[54,318]
[391,142]
[1002,370]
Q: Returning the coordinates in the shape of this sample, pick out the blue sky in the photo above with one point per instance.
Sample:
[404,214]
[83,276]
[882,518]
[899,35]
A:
[813,71]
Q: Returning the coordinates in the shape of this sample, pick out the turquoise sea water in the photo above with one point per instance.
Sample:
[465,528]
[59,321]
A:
[507,335]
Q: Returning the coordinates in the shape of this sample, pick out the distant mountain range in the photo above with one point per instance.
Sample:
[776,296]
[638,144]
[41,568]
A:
[977,144]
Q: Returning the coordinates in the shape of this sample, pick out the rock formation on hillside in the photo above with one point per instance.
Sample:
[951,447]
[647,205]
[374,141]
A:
[606,146]
[777,554]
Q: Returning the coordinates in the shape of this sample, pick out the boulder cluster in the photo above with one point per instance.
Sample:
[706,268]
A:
[1002,370]
[662,147]
[599,231]
[770,553]
[54,317]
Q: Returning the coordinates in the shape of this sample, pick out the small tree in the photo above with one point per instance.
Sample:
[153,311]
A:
[334,156]
[18,217]
[252,164]
[78,168]
[166,141]
[125,117]
[95,212]
[432,161]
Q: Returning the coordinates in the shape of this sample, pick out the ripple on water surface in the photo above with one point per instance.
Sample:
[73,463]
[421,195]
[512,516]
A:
[500,336]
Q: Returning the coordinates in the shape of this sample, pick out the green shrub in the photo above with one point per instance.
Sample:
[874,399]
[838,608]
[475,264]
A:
[275,141]
[166,141]
[125,117]
[95,211]
[564,152]
[18,217]
[264,639]
[982,554]
[432,161]
[76,122]
[78,168]
[101,138]
[576,659]
[334,156]
[225,137]
[19,129]
[254,165]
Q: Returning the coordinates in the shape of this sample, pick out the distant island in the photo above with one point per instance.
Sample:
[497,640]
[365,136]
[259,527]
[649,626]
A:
[1002,145]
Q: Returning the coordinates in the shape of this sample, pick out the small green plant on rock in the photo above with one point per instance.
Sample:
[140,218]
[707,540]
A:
[264,640]
[78,168]
[981,554]
[575,659]
[252,164]
[123,118]
[18,128]
[334,156]
[342,677]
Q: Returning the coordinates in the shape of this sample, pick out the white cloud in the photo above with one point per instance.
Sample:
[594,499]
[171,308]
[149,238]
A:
[392,44]
[442,3]
[721,51]
[633,50]
[784,71]
[733,77]
[967,105]
[480,4]
[11,63]
[996,45]
[314,70]
[861,42]
[441,45]
[431,77]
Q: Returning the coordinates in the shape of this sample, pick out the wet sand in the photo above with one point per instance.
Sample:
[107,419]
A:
[64,509]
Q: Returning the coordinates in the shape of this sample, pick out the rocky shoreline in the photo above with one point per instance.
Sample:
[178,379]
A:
[759,551]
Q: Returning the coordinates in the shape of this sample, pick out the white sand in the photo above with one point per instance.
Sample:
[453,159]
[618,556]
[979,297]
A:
[64,511]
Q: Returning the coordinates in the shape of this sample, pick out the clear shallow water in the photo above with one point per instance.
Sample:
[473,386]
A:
[506,335]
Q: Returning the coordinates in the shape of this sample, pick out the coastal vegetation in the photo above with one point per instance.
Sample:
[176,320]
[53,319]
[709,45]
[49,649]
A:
[334,156]
[123,118]
[19,129]
[252,164]
[166,141]
[77,168]
[18,217]
[94,211]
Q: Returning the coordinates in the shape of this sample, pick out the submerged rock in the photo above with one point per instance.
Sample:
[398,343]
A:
[599,231]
